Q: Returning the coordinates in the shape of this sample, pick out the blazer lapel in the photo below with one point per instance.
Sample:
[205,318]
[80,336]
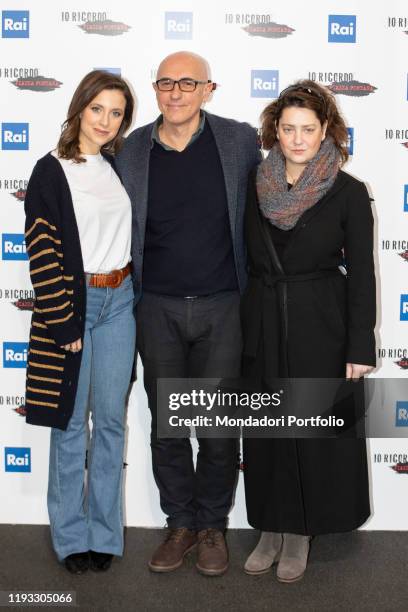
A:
[226,144]
[136,178]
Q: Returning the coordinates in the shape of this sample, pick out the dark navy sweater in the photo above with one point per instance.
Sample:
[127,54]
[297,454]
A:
[188,245]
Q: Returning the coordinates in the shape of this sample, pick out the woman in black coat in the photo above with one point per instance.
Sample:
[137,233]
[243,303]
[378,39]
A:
[308,312]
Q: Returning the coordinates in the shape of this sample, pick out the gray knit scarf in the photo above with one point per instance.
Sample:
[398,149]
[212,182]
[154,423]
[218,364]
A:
[282,207]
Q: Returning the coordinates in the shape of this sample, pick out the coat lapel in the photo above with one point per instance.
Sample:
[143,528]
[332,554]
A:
[337,185]
[314,210]
[225,140]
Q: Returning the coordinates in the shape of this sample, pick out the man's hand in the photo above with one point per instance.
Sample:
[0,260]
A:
[356,370]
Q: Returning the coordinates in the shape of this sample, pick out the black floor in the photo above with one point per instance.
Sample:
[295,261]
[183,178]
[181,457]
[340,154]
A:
[354,572]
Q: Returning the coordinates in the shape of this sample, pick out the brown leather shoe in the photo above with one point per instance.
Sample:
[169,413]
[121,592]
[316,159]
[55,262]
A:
[212,552]
[170,554]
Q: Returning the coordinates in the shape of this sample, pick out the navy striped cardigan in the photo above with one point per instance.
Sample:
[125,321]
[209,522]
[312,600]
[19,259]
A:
[57,276]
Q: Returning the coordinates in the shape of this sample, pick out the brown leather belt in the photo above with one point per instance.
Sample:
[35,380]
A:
[111,279]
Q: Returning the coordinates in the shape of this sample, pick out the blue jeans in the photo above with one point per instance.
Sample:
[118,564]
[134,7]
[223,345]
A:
[87,514]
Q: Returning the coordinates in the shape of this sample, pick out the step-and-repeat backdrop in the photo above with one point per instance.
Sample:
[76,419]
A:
[255,49]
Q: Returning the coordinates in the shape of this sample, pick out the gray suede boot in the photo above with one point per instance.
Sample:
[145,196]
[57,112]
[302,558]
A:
[265,554]
[293,557]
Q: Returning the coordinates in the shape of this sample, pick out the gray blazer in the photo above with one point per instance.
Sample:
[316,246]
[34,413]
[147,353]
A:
[239,152]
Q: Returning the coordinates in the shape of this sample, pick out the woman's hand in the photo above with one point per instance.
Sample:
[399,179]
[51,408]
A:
[74,347]
[356,370]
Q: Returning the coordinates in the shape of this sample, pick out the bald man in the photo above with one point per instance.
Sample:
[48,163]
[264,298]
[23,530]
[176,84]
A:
[186,174]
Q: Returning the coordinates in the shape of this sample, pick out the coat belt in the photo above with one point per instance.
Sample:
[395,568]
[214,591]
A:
[271,280]
[264,307]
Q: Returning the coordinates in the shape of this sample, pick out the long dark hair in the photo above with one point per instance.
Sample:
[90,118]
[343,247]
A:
[315,97]
[91,85]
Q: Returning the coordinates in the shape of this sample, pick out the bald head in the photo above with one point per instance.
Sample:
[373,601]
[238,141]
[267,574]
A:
[181,108]
[186,64]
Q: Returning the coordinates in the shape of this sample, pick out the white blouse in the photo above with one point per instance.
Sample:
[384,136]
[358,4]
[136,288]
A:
[103,213]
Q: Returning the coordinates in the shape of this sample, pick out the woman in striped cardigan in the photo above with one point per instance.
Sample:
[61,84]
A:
[82,337]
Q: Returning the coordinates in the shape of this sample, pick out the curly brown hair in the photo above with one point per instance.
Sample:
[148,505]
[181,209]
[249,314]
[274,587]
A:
[91,85]
[306,94]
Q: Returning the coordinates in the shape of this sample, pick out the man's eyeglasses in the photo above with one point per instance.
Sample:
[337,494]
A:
[184,84]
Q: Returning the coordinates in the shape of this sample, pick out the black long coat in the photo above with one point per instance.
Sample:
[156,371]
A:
[310,328]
